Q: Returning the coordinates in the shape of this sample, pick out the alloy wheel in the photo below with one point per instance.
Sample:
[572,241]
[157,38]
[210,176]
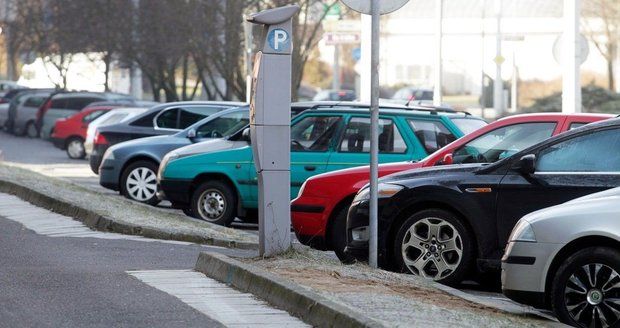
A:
[212,205]
[592,296]
[141,184]
[75,148]
[432,248]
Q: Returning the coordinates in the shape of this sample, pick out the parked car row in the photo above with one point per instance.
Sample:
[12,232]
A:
[529,195]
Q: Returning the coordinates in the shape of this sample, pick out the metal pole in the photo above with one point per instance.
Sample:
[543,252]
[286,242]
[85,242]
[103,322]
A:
[336,68]
[374,132]
[135,72]
[498,88]
[571,84]
[437,94]
[514,87]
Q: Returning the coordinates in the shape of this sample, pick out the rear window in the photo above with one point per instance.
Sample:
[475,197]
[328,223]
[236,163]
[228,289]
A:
[468,125]
[145,121]
[91,116]
[432,135]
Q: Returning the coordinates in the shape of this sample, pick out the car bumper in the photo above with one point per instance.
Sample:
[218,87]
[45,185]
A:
[309,218]
[58,143]
[176,191]
[109,174]
[524,271]
[357,219]
[96,157]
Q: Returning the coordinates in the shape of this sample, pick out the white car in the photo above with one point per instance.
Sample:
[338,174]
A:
[567,258]
[114,116]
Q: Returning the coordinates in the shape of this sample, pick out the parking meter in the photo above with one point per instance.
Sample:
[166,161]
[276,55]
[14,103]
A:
[270,127]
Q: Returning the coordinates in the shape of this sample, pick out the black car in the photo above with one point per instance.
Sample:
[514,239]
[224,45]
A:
[449,222]
[164,119]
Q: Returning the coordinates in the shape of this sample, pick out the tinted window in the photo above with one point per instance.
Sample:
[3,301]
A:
[93,115]
[468,125]
[595,152]
[59,103]
[191,115]
[356,137]
[145,121]
[224,125]
[78,103]
[35,101]
[168,119]
[313,133]
[576,125]
[431,134]
[503,142]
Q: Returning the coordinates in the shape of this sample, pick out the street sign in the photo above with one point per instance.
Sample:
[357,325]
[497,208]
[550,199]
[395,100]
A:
[499,59]
[343,25]
[341,38]
[386,6]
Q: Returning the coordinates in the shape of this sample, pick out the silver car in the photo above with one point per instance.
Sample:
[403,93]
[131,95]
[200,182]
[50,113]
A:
[567,258]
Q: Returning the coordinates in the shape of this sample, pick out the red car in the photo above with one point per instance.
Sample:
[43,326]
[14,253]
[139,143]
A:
[69,133]
[319,213]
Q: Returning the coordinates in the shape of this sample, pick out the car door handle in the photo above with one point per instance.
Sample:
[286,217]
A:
[310,168]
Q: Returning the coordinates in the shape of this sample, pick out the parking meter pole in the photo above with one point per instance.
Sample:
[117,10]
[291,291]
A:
[270,126]
[374,133]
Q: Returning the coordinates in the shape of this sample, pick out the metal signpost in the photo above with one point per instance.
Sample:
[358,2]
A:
[270,127]
[375,8]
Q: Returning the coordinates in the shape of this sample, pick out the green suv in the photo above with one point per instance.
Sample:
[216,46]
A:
[221,184]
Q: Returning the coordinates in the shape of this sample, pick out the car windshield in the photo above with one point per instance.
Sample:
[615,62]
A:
[224,125]
[503,142]
[468,125]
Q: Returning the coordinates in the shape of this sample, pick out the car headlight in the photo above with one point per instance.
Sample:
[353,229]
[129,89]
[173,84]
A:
[523,231]
[384,190]
[108,155]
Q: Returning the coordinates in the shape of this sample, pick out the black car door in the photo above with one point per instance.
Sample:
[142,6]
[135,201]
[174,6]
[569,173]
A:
[567,169]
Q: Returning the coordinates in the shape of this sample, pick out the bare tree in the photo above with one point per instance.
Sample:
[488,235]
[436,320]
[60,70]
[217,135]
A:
[602,26]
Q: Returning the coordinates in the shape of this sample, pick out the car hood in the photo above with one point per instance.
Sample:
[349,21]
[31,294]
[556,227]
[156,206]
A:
[209,146]
[431,172]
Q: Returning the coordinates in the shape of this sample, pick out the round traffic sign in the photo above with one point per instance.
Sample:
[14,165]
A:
[363,6]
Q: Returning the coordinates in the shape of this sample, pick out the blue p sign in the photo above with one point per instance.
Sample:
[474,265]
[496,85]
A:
[278,39]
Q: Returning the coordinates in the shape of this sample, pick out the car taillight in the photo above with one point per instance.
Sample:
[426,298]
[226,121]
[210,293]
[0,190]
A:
[43,109]
[100,139]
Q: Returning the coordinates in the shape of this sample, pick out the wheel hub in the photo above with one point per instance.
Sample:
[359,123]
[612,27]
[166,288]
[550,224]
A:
[595,297]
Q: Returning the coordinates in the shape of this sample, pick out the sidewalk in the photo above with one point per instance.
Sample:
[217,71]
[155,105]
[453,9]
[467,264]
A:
[112,213]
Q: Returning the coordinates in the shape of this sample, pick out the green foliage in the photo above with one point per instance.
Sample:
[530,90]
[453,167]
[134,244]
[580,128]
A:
[594,99]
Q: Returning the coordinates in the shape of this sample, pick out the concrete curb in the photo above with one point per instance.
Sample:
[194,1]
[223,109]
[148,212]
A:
[307,305]
[101,223]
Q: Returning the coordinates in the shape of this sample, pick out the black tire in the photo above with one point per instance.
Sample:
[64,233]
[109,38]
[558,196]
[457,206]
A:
[590,257]
[133,190]
[338,236]
[442,251]
[188,211]
[79,152]
[31,130]
[222,202]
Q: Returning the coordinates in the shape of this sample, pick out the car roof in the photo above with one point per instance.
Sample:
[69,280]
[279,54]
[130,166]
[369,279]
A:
[341,105]
[102,95]
[390,110]
[554,115]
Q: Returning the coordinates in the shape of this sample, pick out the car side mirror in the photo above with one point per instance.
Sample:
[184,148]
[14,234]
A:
[245,135]
[191,134]
[448,159]
[526,164]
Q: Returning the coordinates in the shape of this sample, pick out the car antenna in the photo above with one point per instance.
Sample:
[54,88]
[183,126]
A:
[410,99]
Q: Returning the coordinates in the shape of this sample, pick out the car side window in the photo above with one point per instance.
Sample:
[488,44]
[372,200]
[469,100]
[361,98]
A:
[356,138]
[224,125]
[431,134]
[34,101]
[145,121]
[168,119]
[193,114]
[78,103]
[314,133]
[59,103]
[503,142]
[92,116]
[594,152]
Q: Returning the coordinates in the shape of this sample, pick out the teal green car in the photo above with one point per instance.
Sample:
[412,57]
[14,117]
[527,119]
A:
[221,184]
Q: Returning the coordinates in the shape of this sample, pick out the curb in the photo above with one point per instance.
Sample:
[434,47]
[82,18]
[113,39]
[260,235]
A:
[101,223]
[303,303]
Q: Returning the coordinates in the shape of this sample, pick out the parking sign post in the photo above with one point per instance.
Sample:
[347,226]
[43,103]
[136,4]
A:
[270,127]
[374,8]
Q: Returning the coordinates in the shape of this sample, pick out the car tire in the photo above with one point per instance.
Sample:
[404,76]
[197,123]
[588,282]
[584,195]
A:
[215,202]
[139,182]
[442,247]
[31,130]
[587,295]
[75,148]
[338,236]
